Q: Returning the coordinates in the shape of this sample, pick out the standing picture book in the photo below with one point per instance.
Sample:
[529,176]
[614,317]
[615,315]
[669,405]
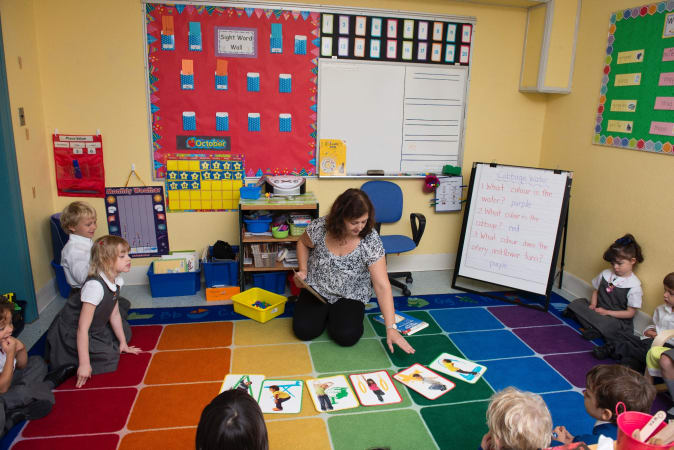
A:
[177,265]
[456,367]
[248,383]
[406,324]
[375,388]
[281,396]
[331,393]
[424,381]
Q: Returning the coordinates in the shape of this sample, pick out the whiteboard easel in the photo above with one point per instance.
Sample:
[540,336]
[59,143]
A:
[512,229]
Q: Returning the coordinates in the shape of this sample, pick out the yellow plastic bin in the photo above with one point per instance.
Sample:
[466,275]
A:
[243,304]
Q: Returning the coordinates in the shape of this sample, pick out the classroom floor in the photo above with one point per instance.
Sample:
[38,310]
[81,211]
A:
[154,399]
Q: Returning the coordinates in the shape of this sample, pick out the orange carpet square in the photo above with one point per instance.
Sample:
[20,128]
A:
[309,434]
[178,439]
[186,366]
[196,335]
[283,360]
[277,331]
[171,406]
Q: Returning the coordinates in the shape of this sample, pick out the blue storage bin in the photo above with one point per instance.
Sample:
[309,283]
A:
[221,272]
[250,192]
[61,281]
[271,281]
[259,225]
[174,284]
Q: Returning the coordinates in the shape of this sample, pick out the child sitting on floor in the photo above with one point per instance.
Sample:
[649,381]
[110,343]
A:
[233,420]
[25,385]
[80,333]
[517,419]
[78,219]
[615,299]
[606,386]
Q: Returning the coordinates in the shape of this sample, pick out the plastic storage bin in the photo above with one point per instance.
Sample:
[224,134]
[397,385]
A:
[221,272]
[259,225]
[243,304]
[297,230]
[174,284]
[250,192]
[279,234]
[271,281]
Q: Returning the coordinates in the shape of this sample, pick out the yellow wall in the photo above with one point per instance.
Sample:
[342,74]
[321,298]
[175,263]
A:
[91,76]
[614,190]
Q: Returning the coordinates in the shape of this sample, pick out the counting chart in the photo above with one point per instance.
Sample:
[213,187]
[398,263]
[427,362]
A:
[448,194]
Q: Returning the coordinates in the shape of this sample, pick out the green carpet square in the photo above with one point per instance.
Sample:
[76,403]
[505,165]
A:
[457,426]
[427,348]
[402,390]
[367,354]
[368,332]
[397,430]
[432,328]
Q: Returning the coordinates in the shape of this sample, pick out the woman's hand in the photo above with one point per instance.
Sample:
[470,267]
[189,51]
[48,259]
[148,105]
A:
[394,337]
[124,348]
[83,374]
[301,275]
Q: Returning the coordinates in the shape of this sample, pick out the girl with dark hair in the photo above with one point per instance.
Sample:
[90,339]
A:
[615,299]
[233,420]
[341,256]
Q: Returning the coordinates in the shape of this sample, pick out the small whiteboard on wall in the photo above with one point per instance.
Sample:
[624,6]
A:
[512,226]
[395,117]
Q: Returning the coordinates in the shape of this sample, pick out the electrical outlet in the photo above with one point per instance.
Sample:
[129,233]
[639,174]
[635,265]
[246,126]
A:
[22,117]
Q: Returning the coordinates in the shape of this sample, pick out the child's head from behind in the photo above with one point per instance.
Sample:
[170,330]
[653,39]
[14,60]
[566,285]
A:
[623,255]
[609,384]
[110,255]
[519,420]
[79,218]
[668,284]
[233,420]
[6,308]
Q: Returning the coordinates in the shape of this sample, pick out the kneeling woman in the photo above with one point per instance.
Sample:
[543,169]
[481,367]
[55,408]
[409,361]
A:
[341,256]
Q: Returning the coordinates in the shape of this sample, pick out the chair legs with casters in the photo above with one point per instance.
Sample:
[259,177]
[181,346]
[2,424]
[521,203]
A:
[399,284]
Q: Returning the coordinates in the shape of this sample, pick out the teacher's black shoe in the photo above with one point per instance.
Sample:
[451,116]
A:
[60,374]
[590,334]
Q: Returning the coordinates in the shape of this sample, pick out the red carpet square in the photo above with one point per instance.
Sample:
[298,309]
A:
[171,406]
[145,337]
[196,335]
[129,372]
[186,366]
[179,439]
[84,412]
[99,442]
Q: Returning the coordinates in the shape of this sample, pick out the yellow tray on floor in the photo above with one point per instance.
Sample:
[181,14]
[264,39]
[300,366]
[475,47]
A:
[243,304]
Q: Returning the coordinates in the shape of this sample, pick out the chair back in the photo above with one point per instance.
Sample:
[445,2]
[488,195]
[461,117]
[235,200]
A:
[387,198]
[58,236]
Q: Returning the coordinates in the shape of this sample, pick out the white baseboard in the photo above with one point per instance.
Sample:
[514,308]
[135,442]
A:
[576,287]
[420,263]
[46,295]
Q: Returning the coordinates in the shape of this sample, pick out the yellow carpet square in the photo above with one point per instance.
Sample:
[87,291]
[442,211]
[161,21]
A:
[277,331]
[301,434]
[283,360]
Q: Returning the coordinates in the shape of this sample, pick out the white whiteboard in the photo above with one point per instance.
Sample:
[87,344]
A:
[511,231]
[396,117]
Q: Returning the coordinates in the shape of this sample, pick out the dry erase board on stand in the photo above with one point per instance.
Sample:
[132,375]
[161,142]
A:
[512,228]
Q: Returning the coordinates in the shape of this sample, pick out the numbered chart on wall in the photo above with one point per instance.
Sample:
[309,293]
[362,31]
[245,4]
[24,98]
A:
[512,226]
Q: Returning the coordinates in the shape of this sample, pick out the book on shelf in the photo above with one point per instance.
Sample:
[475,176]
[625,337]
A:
[406,324]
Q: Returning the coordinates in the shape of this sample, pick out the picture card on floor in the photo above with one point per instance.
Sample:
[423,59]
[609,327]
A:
[249,383]
[281,396]
[456,367]
[375,388]
[331,393]
[424,381]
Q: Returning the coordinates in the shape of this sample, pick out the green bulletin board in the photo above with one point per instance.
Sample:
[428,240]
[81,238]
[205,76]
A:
[636,107]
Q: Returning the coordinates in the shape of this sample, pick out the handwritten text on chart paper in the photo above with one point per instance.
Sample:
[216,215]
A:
[515,215]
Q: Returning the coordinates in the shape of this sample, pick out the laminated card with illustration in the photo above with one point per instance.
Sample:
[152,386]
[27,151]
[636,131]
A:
[456,367]
[424,381]
[281,396]
[331,393]
[375,388]
[248,383]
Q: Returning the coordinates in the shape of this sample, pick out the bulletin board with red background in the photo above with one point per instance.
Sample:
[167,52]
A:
[267,151]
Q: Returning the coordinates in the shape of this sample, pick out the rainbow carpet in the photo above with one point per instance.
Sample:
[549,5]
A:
[154,400]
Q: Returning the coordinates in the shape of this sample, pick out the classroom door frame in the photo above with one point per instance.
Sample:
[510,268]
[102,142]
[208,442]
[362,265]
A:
[17,274]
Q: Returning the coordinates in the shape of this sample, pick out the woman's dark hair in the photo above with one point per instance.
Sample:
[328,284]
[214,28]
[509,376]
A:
[351,204]
[625,247]
[233,420]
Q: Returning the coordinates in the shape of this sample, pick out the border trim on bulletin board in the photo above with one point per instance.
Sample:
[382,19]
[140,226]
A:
[635,104]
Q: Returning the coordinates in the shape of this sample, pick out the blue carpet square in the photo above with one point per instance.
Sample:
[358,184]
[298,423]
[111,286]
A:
[526,374]
[490,345]
[466,319]
[568,409]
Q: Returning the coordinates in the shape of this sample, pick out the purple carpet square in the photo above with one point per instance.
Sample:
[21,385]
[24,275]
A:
[517,316]
[662,403]
[554,339]
[574,366]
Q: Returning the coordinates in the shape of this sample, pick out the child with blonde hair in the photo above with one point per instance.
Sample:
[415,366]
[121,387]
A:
[517,420]
[80,333]
[78,219]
